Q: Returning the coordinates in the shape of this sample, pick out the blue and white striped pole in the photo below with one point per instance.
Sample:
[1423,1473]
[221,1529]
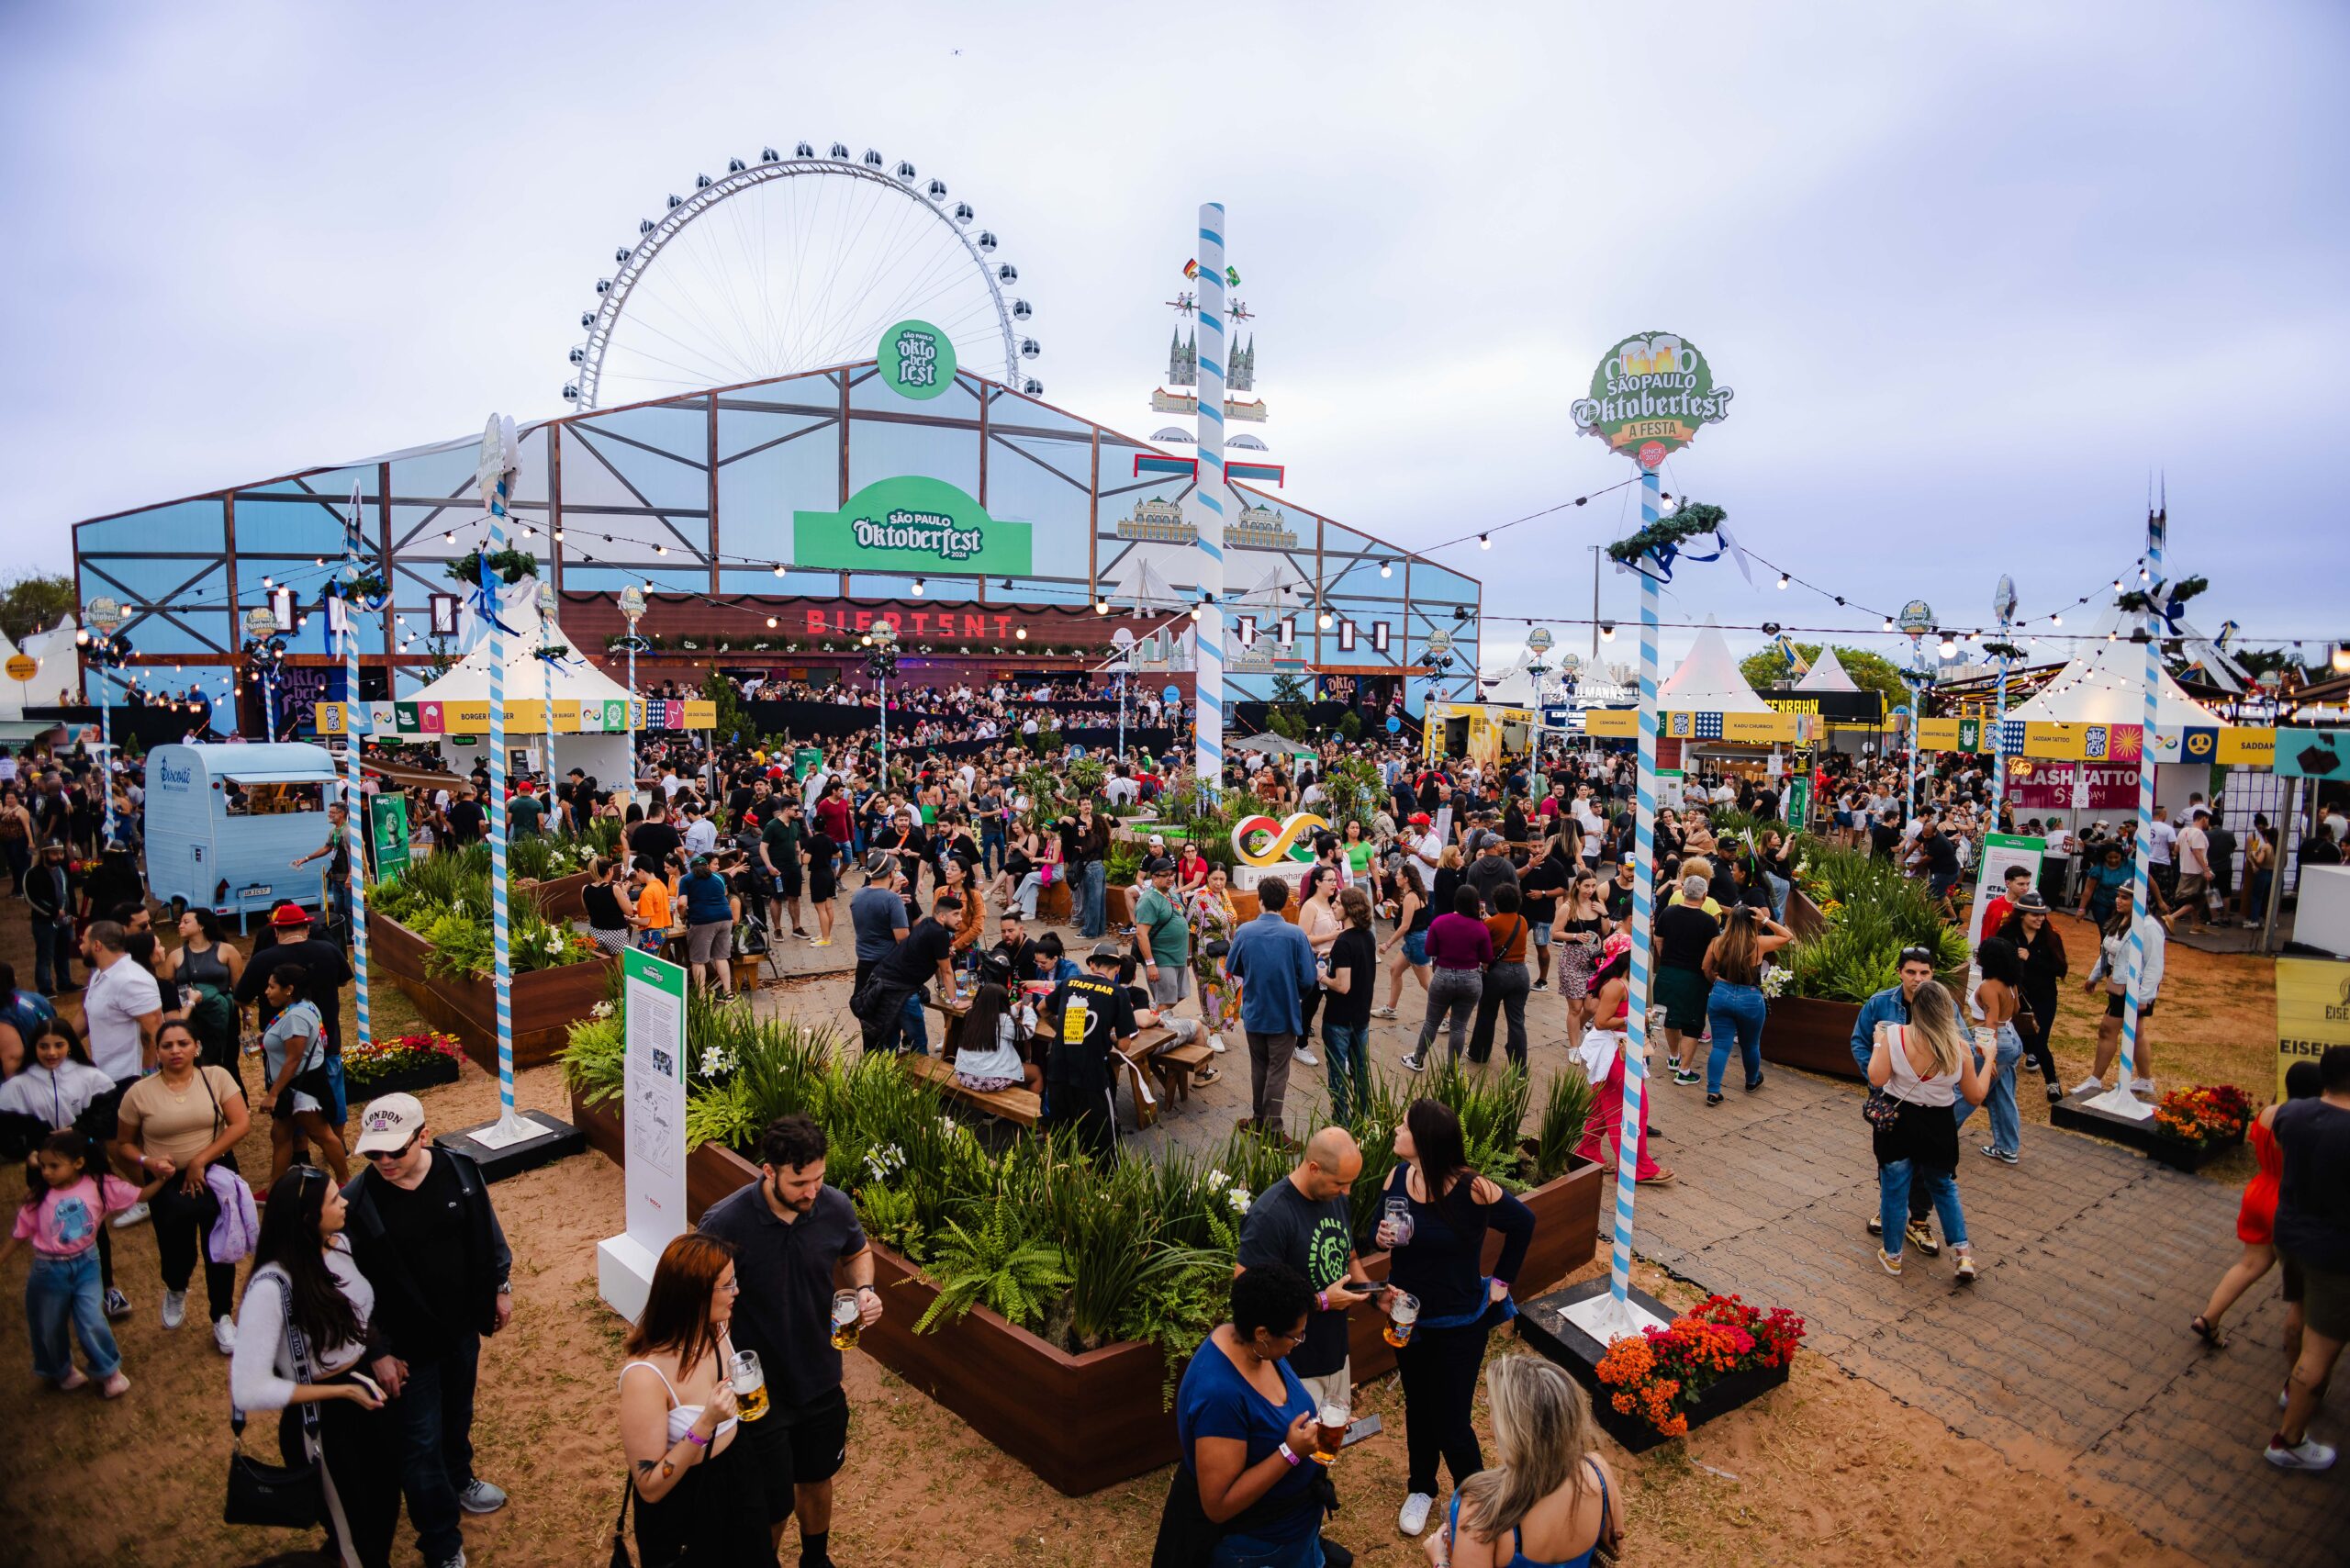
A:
[1208,493]
[355,723]
[508,1123]
[2000,742]
[2120,1100]
[1636,1074]
[105,733]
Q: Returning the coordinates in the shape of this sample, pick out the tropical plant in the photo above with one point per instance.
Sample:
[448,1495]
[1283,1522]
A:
[1566,1112]
[996,1261]
[1492,1108]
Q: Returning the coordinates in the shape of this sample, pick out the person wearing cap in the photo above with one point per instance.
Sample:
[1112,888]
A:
[1423,843]
[889,1005]
[1165,937]
[50,889]
[2191,893]
[426,1237]
[1490,870]
[2026,927]
[1087,1019]
[710,911]
[2013,885]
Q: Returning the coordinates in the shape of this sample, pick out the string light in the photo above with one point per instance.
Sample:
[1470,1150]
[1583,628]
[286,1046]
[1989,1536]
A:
[1783,580]
[1386,569]
[1484,541]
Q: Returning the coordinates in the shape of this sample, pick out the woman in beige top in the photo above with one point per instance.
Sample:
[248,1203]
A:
[1319,917]
[178,1122]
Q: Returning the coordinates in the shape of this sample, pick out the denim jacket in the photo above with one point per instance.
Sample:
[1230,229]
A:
[1887,1007]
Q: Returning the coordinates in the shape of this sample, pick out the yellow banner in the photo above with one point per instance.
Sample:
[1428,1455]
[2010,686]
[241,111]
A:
[1612,723]
[700,714]
[1938,734]
[2248,748]
[327,718]
[2312,1011]
[1759,728]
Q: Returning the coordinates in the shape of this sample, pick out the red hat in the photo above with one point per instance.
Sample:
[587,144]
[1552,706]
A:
[1419,819]
[289,914]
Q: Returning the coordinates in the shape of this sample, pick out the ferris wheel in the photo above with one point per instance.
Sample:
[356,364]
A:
[792,264]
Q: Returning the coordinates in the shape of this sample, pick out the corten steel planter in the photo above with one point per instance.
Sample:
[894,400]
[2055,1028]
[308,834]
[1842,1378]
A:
[2075,1113]
[1540,1325]
[546,1002]
[1815,1035]
[403,1081]
[1084,1421]
[559,897]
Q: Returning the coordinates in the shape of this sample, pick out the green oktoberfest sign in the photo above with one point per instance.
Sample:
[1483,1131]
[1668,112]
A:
[917,360]
[911,524]
[1649,396]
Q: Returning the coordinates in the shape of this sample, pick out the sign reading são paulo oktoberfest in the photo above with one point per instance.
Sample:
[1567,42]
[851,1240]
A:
[911,524]
[917,360]
[1649,395]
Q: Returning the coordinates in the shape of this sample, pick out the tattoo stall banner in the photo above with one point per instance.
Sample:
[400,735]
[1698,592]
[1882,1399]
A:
[2034,785]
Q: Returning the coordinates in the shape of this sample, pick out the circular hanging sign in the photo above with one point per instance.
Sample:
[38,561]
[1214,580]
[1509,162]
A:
[1571,663]
[1440,643]
[633,603]
[917,360]
[104,616]
[1172,694]
[23,667]
[1649,396]
[1916,616]
[259,623]
[1394,725]
[1539,640]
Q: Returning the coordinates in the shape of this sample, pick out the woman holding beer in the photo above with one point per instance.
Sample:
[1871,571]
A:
[696,1502]
[1247,1489]
[1435,1239]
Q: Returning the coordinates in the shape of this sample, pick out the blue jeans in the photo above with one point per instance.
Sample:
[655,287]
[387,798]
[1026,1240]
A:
[991,845]
[435,1414]
[1893,1203]
[1735,1009]
[1097,898]
[1346,1058]
[916,1034]
[2006,1125]
[1256,1552]
[52,955]
[60,1291]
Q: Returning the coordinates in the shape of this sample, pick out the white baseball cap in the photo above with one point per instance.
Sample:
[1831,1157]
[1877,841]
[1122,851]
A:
[388,1123]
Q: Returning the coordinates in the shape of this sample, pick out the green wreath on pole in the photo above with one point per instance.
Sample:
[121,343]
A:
[510,563]
[1667,535]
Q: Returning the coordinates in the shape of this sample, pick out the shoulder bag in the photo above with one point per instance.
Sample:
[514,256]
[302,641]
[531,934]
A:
[291,1496]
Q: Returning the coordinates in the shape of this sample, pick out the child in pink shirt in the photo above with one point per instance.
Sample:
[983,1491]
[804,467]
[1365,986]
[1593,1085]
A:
[65,1203]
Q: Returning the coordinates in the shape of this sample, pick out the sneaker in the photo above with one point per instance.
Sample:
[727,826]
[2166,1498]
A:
[116,1386]
[2055,1093]
[1215,1044]
[2142,1086]
[480,1497]
[2004,1156]
[1383,1013]
[1922,1235]
[132,1215]
[1413,1518]
[1674,1062]
[1752,1084]
[1541,985]
[1967,1268]
[1204,1077]
[1877,1226]
[118,1305]
[2089,1085]
[1414,1064]
[821,942]
[2306,1454]
[175,1309]
[456,1561]
[1684,1076]
[1305,1058]
[1890,1261]
[224,1335]
[76,1378]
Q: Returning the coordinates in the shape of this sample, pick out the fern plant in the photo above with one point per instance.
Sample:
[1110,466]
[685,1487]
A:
[996,1262]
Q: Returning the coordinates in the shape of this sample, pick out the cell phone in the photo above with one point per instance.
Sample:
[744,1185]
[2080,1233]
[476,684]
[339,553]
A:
[375,1389]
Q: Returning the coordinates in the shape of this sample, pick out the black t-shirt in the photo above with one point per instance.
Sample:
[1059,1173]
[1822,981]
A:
[1356,955]
[1540,887]
[465,821]
[1077,1069]
[427,1230]
[1616,899]
[822,851]
[655,843]
[2313,1191]
[1941,855]
[1882,836]
[916,958]
[1285,1226]
[1683,932]
[785,1310]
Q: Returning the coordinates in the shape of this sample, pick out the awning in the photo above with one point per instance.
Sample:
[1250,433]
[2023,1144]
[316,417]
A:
[279,777]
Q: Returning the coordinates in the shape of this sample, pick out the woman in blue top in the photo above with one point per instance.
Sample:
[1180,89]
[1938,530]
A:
[1451,1208]
[710,925]
[1548,1503]
[1246,1493]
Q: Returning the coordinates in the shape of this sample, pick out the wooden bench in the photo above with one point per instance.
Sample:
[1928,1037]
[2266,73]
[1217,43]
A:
[1020,1106]
[1180,1064]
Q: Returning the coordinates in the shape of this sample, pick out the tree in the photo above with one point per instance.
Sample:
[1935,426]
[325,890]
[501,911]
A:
[731,718]
[30,603]
[1870,672]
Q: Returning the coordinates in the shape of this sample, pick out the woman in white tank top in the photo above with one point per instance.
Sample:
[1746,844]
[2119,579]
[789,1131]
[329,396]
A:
[1923,1067]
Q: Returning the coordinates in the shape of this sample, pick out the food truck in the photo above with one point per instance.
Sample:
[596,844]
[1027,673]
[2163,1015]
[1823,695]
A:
[223,821]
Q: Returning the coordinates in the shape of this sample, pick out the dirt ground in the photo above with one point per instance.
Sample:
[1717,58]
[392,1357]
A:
[1828,1471]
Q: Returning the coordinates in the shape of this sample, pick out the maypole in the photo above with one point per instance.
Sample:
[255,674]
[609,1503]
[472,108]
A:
[2003,605]
[355,723]
[1207,512]
[2122,1100]
[499,459]
[1648,398]
[633,610]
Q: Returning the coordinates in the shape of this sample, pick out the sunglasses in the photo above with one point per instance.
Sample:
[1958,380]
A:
[1917,955]
[400,1153]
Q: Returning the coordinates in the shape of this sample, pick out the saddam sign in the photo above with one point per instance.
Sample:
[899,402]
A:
[912,524]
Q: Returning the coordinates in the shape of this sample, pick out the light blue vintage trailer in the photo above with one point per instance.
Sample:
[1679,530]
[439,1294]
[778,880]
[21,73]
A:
[223,821]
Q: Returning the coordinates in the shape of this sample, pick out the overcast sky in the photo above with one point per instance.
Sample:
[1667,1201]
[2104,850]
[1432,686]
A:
[1974,270]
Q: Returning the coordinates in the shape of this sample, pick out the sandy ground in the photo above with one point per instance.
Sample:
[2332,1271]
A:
[1826,1471]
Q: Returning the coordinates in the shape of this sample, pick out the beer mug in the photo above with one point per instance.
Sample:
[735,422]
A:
[1396,1223]
[1329,1431]
[846,1324]
[1403,1311]
[750,1385]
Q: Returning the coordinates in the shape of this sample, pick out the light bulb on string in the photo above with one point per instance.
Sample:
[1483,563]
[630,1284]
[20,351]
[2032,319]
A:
[1782,579]
[1484,541]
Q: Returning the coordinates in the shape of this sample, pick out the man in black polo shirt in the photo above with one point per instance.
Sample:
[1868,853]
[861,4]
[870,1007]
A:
[882,1007]
[796,1240]
[780,855]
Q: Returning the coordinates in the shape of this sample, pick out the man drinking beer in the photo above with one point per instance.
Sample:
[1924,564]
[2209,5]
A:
[792,1233]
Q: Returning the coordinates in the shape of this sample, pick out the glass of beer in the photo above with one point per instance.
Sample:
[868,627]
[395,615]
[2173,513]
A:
[1396,1223]
[1329,1431]
[1403,1311]
[750,1382]
[846,1324]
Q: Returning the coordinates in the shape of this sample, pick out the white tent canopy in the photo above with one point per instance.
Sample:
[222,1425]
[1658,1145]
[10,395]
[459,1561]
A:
[1827,674]
[2102,684]
[529,678]
[1709,681]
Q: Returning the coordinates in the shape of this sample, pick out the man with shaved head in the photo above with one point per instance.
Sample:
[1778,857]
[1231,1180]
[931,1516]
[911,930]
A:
[1306,1223]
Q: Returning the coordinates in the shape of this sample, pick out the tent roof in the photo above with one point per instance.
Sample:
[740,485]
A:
[2101,685]
[1271,745]
[1709,681]
[1826,674]
[527,675]
[257,763]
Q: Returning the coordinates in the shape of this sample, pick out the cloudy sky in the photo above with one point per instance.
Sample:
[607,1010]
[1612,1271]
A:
[1976,271]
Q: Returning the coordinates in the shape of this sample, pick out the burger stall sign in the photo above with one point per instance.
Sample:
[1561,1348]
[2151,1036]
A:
[1649,396]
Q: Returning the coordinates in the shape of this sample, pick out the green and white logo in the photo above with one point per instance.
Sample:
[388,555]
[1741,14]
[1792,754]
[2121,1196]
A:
[1649,396]
[917,360]
[912,524]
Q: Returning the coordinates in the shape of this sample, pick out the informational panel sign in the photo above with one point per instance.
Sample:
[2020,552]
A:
[2312,1011]
[2001,850]
[387,832]
[1798,802]
[655,1019]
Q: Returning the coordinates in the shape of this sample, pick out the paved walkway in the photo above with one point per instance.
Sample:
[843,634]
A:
[2071,1355]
